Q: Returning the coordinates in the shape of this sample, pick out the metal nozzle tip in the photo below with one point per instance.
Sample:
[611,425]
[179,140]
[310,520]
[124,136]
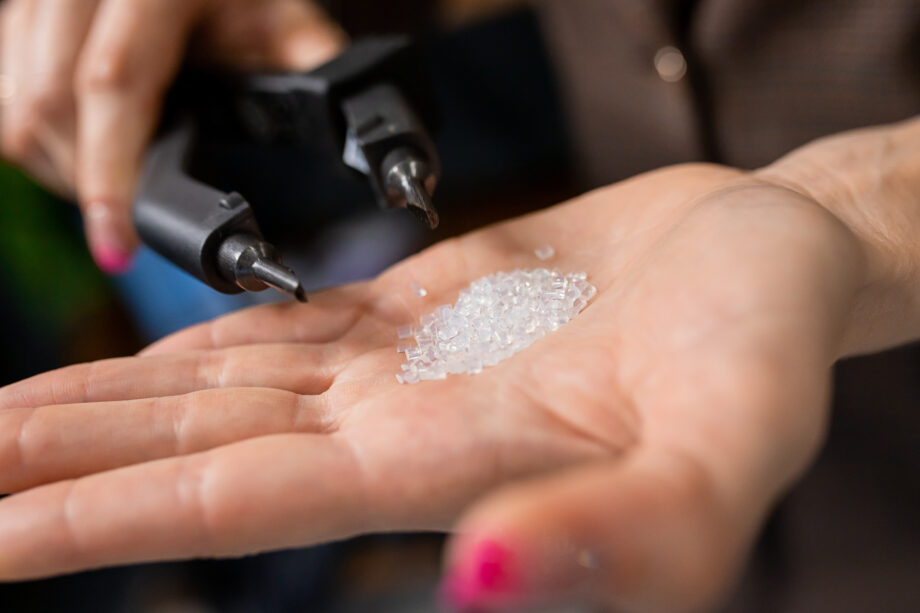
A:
[279,277]
[410,183]
[419,202]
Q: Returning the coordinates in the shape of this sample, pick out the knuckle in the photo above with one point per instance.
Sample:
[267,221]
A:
[12,443]
[43,106]
[191,490]
[19,138]
[29,444]
[72,511]
[108,70]
[50,102]
[182,416]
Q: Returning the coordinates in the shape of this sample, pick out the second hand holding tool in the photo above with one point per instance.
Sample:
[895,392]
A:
[368,109]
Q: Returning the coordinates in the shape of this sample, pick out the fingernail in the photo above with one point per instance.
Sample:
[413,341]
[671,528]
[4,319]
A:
[103,234]
[485,575]
[111,260]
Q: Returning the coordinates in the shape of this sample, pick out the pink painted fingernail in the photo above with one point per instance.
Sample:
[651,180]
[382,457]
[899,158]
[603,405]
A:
[111,259]
[104,229]
[486,575]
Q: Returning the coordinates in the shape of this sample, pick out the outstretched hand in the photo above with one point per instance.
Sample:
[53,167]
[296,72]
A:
[627,458]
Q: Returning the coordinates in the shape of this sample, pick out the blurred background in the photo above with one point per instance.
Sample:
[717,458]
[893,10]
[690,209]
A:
[537,104]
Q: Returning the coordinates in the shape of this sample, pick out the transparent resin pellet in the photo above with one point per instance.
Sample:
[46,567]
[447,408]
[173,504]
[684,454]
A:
[494,318]
[418,290]
[545,252]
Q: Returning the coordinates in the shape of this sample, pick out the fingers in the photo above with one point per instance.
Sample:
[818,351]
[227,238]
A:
[300,368]
[279,34]
[121,56]
[305,36]
[651,533]
[213,503]
[51,443]
[327,317]
[41,40]
[57,34]
[131,55]
[17,139]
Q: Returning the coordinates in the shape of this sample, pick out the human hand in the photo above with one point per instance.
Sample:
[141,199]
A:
[85,81]
[627,459]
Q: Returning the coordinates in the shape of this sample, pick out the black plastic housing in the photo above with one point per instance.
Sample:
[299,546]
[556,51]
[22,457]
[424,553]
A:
[185,220]
[292,108]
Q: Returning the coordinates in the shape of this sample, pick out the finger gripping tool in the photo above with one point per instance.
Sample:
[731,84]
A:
[368,109]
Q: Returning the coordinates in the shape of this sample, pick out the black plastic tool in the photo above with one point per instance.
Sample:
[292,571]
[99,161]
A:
[369,109]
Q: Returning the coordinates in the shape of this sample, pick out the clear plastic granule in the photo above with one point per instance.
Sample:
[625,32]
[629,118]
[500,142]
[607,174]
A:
[494,318]
[544,252]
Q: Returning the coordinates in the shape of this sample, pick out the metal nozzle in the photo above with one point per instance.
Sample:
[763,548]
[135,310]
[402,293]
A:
[419,202]
[280,277]
[410,183]
[253,264]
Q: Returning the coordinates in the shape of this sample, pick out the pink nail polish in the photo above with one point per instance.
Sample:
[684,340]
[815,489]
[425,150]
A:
[112,260]
[487,574]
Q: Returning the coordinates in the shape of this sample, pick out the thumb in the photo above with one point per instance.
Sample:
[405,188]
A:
[274,34]
[651,532]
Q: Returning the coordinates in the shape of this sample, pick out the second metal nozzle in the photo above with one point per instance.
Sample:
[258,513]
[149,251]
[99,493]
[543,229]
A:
[410,182]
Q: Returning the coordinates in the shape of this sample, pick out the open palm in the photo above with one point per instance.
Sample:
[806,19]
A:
[693,385]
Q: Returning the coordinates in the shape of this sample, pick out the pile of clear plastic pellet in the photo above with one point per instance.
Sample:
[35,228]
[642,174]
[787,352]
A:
[494,318]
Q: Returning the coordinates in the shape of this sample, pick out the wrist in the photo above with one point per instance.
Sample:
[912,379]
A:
[869,179]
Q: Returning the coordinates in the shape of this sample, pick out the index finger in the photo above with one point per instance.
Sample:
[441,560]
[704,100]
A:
[327,317]
[131,55]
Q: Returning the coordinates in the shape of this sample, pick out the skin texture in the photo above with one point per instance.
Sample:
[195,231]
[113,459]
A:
[89,77]
[627,459]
